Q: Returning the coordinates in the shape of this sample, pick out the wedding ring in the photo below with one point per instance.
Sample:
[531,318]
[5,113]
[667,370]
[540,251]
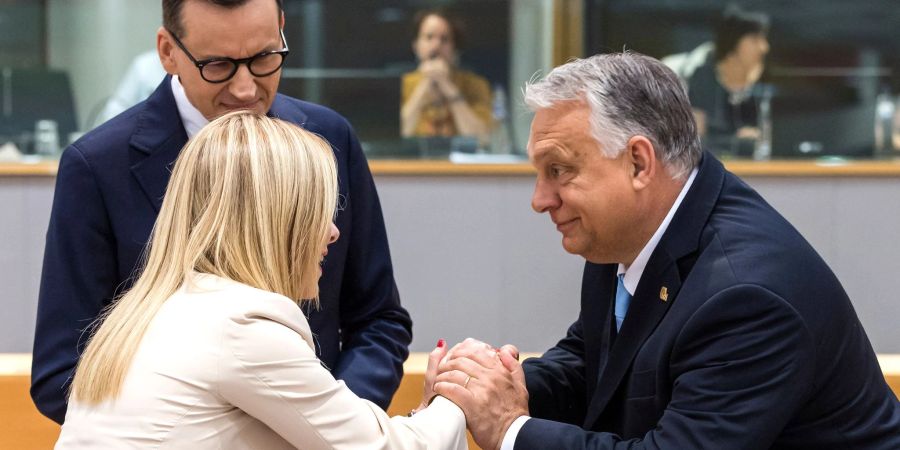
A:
[467,382]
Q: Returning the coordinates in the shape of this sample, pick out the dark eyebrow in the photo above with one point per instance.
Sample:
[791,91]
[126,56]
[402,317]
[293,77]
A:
[267,48]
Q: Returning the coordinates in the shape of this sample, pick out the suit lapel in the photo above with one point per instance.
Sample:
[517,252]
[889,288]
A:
[644,314]
[667,269]
[156,142]
[284,109]
[598,298]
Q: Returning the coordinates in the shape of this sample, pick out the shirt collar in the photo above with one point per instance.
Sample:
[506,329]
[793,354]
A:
[634,272]
[191,117]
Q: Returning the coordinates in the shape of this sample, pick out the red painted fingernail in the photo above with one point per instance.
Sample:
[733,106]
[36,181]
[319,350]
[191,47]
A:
[441,343]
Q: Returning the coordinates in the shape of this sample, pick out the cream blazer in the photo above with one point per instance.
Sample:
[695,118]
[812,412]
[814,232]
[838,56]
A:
[227,366]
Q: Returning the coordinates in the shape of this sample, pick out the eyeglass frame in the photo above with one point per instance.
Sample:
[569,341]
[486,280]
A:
[235,63]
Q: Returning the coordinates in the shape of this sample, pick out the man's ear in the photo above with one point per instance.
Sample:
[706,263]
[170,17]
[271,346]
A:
[166,50]
[281,24]
[642,157]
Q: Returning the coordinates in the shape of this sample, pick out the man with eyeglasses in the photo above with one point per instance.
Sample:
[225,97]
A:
[222,55]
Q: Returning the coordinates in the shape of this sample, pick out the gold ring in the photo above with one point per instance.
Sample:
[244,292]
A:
[466,384]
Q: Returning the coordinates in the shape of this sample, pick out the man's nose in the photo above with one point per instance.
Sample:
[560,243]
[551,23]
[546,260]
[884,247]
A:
[243,85]
[544,198]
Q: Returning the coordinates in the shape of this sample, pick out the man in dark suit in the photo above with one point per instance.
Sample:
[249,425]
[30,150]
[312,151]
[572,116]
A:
[706,320]
[222,55]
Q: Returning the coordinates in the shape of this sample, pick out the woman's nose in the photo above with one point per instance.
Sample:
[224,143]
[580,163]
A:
[334,234]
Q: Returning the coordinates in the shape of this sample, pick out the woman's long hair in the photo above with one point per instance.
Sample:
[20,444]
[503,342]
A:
[250,199]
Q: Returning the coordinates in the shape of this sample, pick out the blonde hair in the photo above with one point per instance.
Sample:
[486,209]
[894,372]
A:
[250,199]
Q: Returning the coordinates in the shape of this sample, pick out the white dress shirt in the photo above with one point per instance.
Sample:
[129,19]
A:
[225,365]
[632,277]
[191,117]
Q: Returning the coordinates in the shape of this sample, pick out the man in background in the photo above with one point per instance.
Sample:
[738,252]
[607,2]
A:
[222,55]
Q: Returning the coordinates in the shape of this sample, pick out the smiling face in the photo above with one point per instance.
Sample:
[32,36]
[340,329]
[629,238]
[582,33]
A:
[591,198]
[214,31]
[435,39]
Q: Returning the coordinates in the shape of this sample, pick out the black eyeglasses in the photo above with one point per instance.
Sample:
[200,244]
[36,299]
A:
[220,70]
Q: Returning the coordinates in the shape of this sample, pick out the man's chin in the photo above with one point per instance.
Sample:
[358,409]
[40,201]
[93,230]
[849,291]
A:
[570,246]
[577,248]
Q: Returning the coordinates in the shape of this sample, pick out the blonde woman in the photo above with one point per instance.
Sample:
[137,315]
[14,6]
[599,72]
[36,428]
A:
[209,349]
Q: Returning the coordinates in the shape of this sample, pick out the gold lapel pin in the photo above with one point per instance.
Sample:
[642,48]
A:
[664,294]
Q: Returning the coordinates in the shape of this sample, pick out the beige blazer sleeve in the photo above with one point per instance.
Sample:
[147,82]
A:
[269,370]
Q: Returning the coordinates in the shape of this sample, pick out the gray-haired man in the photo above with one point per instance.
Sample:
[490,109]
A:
[706,320]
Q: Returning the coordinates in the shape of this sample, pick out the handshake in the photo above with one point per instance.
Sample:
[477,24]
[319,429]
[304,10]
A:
[487,383]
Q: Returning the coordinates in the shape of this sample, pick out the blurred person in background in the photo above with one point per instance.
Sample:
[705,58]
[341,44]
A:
[139,81]
[723,91]
[439,98]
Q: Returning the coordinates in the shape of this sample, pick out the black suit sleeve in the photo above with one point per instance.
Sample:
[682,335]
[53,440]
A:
[740,368]
[556,380]
[375,329]
[78,280]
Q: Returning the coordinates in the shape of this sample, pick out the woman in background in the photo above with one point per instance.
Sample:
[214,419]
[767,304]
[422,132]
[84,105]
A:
[210,349]
[722,91]
[439,98]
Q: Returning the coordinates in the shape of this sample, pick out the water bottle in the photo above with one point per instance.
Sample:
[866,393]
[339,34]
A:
[884,121]
[762,151]
[46,137]
[501,143]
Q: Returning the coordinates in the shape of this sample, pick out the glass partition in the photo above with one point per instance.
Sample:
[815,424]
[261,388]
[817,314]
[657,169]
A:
[829,84]
[352,56]
[831,70]
[87,61]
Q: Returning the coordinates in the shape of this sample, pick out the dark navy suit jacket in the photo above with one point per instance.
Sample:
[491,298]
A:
[738,336]
[108,192]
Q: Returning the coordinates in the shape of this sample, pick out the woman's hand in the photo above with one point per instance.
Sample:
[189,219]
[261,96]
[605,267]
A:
[434,359]
[438,71]
[435,69]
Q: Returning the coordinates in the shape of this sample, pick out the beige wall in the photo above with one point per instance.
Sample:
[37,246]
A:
[472,259]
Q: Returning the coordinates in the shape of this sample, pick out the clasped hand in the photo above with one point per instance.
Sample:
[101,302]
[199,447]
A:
[486,383]
[436,69]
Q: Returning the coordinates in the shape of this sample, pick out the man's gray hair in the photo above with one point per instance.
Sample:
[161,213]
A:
[629,94]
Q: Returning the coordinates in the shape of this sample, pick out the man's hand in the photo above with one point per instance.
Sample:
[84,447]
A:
[488,384]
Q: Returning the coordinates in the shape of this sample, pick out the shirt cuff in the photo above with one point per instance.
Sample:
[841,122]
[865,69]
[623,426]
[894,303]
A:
[509,439]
